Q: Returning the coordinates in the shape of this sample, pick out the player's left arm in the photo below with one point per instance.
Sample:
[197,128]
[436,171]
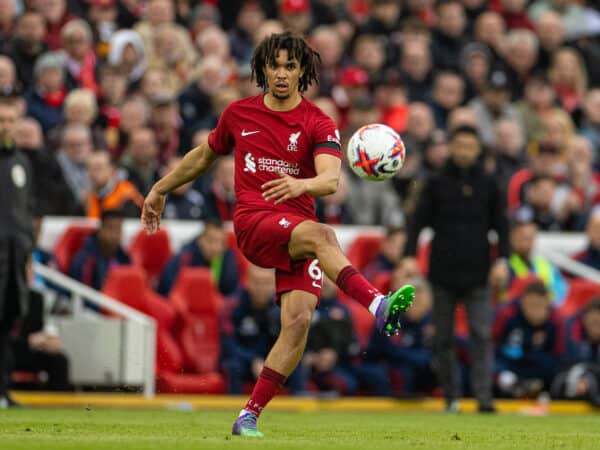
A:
[285,187]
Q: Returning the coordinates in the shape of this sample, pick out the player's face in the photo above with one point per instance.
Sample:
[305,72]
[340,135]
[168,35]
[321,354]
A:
[283,76]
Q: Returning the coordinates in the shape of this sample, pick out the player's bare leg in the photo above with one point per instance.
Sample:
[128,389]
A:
[297,308]
[314,240]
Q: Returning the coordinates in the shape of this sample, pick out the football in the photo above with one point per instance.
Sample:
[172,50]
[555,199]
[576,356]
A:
[375,152]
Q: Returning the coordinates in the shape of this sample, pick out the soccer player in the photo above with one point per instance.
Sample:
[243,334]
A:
[287,151]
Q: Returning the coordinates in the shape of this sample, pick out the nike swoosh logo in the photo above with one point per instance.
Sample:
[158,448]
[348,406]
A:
[248,133]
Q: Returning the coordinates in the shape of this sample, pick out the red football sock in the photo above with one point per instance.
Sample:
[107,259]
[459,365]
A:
[268,384]
[352,283]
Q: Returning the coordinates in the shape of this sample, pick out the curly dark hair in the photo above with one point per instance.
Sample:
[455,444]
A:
[297,48]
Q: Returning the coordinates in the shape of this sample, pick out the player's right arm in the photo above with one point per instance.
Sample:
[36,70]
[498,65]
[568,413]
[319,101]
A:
[194,164]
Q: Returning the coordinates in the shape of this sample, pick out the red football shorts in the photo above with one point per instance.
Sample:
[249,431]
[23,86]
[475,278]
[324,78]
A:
[263,238]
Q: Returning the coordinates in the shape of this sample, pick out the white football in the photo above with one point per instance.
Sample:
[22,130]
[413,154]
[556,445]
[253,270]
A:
[375,152]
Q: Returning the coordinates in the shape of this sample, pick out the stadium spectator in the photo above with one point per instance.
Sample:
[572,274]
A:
[38,348]
[521,56]
[8,80]
[419,126]
[139,160]
[580,379]
[410,352]
[508,153]
[73,156]
[492,105]
[490,30]
[369,54]
[333,347]
[514,13]
[296,15]
[208,249]
[220,194]
[26,45]
[327,41]
[102,15]
[459,265]
[447,94]
[174,53]
[156,13]
[537,102]
[255,327]
[80,107]
[155,83]
[583,180]
[555,206]
[476,64]
[335,209]
[529,340]
[590,121]
[417,70]
[133,113]
[590,256]
[568,75]
[249,18]
[46,97]
[390,254]
[185,202]
[101,251]
[8,14]
[108,189]
[127,51]
[56,15]
[522,262]
[448,37]
[79,56]
[171,137]
[551,33]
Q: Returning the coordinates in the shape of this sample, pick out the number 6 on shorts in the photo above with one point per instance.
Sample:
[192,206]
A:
[315,272]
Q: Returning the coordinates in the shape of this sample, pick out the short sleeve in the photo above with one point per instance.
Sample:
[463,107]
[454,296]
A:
[221,138]
[326,136]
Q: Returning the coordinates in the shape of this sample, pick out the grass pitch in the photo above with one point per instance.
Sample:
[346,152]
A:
[61,429]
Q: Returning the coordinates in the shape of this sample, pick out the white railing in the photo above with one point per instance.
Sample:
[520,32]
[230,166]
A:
[568,264]
[80,292]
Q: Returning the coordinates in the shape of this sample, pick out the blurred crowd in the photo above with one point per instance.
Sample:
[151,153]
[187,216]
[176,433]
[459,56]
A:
[112,93]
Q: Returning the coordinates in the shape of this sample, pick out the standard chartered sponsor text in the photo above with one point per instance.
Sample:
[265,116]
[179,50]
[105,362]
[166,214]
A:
[278,165]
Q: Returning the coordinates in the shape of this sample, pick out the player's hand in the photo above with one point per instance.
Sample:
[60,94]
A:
[152,210]
[283,188]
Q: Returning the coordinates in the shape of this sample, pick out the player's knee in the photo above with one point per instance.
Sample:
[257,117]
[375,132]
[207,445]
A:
[298,323]
[323,236]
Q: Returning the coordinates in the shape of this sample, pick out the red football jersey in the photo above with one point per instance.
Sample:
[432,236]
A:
[266,142]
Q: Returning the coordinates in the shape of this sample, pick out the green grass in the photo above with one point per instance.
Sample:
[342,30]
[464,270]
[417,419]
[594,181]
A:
[118,429]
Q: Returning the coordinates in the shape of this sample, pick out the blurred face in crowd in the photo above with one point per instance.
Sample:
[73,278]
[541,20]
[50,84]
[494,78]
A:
[77,144]
[129,57]
[462,116]
[210,74]
[514,6]
[451,19]
[114,87]
[326,40]
[168,46]
[103,13]
[416,59]
[250,18]
[28,134]
[8,120]
[296,22]
[160,11]
[100,169]
[591,323]
[496,99]
[437,154]
[541,194]
[579,152]
[109,235]
[393,245]
[369,53]
[50,80]
[509,138]
[536,308]
[76,40]
[7,11]
[142,147]
[225,174]
[133,115]
[154,83]
[477,68]
[359,115]
[164,118]
[539,94]
[465,149]
[591,107]
[522,239]
[448,90]
[212,242]
[566,67]
[490,29]
[387,11]
[7,72]
[593,230]
[266,29]
[555,131]
[52,10]
[521,55]
[420,121]
[550,30]
[31,29]
[80,111]
[214,42]
[261,286]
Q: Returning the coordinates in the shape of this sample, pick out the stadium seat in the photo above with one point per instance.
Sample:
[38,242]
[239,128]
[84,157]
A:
[69,244]
[185,383]
[196,297]
[242,262]
[580,292]
[151,252]
[363,249]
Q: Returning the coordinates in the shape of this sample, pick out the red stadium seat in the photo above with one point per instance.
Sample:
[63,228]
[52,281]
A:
[382,282]
[196,297]
[363,249]
[151,252]
[580,292]
[362,320]
[184,383]
[242,262]
[69,244]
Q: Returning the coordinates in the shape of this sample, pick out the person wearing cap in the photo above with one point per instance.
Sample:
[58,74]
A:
[523,263]
[45,99]
[529,342]
[296,15]
[493,104]
[462,203]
